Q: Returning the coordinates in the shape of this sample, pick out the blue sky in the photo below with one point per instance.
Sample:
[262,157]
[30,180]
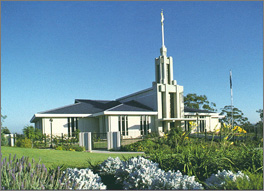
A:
[55,52]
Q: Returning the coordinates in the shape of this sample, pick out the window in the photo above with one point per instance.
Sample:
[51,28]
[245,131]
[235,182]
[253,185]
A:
[144,124]
[187,124]
[162,104]
[69,127]
[158,73]
[123,125]
[168,73]
[172,105]
[202,124]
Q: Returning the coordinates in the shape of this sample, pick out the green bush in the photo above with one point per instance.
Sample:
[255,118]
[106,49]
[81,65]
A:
[67,147]
[139,146]
[26,143]
[78,148]
[255,182]
[23,143]
[4,141]
[59,148]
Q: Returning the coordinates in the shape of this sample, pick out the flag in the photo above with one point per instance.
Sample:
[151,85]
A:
[230,79]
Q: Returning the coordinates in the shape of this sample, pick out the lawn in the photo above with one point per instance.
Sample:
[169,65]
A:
[54,158]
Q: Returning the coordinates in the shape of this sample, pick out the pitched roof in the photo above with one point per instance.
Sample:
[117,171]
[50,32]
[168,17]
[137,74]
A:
[83,106]
[131,106]
[188,109]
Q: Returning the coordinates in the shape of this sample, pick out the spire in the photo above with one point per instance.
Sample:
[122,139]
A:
[163,50]
[162,27]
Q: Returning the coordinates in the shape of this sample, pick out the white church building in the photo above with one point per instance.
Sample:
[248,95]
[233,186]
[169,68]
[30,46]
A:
[155,109]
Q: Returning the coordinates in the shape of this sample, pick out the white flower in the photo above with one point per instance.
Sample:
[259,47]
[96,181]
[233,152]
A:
[110,166]
[219,179]
[140,173]
[85,179]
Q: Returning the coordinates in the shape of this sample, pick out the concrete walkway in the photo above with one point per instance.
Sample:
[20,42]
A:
[115,152]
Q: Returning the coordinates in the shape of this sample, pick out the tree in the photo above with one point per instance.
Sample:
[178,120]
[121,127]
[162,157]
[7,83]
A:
[238,116]
[5,130]
[3,117]
[32,133]
[259,125]
[199,102]
[260,111]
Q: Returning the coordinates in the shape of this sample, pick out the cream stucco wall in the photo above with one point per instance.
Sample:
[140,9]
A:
[88,124]
[59,126]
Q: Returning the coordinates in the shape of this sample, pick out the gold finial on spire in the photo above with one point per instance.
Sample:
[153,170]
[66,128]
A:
[162,17]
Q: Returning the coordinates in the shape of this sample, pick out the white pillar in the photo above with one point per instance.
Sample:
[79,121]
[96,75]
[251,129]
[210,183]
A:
[11,136]
[109,140]
[81,141]
[116,140]
[87,140]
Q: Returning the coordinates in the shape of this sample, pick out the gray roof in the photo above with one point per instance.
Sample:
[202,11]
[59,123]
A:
[131,106]
[188,109]
[84,106]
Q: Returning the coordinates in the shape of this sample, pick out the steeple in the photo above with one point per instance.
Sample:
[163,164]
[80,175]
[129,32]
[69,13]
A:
[163,64]
[163,50]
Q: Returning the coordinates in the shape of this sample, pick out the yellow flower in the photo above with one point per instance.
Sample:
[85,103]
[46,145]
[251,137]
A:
[183,134]
[186,138]
[226,137]
[231,143]
[217,130]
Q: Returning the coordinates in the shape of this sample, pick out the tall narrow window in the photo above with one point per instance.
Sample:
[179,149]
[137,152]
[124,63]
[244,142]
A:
[141,125]
[168,73]
[72,125]
[76,123]
[172,107]
[158,73]
[123,125]
[69,127]
[145,126]
[162,104]
[119,123]
[148,123]
[126,125]
[202,124]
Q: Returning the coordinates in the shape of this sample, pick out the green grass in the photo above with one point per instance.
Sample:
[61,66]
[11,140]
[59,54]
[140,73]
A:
[54,158]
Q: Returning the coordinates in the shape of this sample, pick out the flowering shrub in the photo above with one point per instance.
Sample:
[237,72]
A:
[84,179]
[140,173]
[239,129]
[21,174]
[110,166]
[217,181]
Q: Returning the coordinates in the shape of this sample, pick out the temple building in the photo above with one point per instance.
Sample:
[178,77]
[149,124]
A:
[155,109]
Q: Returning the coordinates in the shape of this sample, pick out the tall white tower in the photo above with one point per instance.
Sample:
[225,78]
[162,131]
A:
[170,105]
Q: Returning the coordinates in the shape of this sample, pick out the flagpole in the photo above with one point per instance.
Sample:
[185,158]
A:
[231,91]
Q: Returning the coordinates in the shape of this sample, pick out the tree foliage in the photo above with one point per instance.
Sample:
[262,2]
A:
[260,111]
[32,133]
[5,130]
[238,116]
[199,102]
[259,125]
